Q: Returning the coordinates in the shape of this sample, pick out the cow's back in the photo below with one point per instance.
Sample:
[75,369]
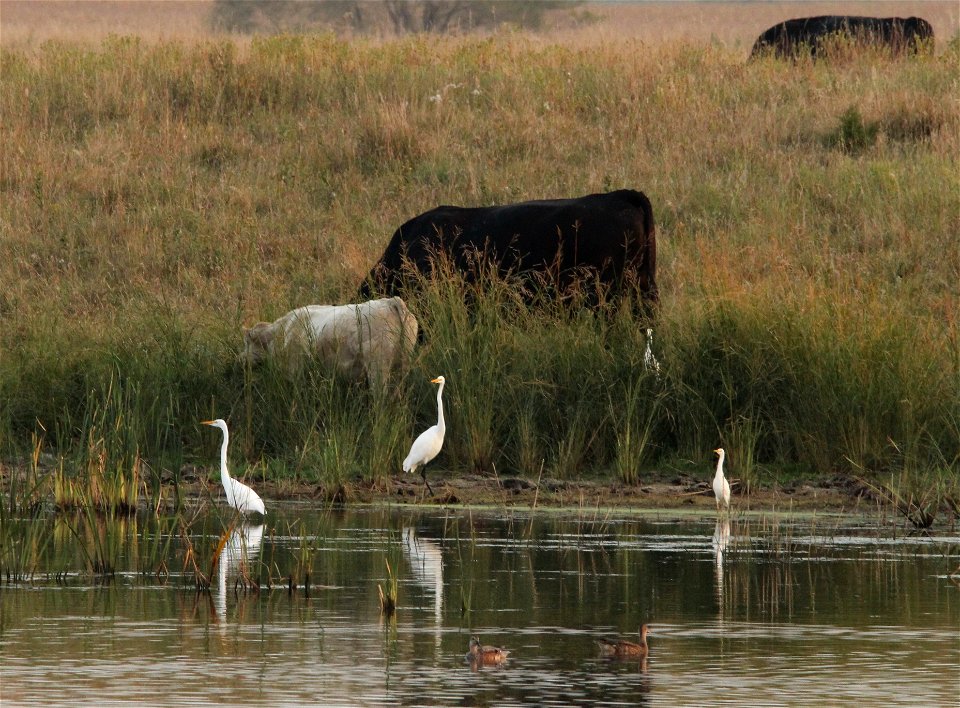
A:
[295,334]
[368,335]
[607,234]
[805,35]
[416,243]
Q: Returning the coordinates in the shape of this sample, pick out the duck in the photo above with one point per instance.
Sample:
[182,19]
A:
[622,647]
[488,655]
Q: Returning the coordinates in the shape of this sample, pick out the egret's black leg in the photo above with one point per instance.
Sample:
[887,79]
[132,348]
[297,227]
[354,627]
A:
[423,473]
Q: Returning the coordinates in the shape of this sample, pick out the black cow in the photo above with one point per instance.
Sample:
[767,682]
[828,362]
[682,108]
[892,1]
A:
[607,239]
[809,35]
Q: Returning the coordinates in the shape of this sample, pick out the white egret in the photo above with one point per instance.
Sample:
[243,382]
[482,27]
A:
[239,495]
[622,647]
[429,442]
[650,362]
[721,487]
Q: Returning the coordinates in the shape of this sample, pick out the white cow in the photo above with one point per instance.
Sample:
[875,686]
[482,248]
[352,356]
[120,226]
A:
[371,338]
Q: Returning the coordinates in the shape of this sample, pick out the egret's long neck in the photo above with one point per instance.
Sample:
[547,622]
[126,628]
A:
[440,424]
[224,474]
[720,466]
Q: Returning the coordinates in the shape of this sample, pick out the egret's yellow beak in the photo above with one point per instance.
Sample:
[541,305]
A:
[717,451]
[435,380]
[206,422]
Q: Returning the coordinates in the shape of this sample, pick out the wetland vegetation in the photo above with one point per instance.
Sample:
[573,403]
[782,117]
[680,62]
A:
[156,196]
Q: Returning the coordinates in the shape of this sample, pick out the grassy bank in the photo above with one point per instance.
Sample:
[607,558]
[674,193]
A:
[156,197]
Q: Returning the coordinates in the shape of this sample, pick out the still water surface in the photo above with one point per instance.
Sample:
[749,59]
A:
[756,611]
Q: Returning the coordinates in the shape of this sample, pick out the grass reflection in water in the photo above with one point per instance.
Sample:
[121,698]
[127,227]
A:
[820,602]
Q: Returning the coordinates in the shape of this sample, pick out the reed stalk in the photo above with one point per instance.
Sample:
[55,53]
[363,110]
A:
[388,597]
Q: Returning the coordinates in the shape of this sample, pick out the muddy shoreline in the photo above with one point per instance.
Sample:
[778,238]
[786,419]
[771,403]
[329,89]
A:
[836,495]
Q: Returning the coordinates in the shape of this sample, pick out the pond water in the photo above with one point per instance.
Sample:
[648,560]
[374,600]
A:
[754,611]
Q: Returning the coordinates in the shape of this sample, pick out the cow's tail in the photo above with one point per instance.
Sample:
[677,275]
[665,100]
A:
[649,227]
[639,201]
[646,253]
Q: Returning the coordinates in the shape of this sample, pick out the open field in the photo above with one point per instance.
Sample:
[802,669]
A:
[737,24]
[157,195]
[734,24]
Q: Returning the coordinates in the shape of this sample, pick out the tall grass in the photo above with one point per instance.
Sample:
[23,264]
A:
[156,197]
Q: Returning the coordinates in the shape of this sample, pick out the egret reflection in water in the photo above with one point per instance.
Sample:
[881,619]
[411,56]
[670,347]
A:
[426,561]
[815,612]
[721,539]
[243,546]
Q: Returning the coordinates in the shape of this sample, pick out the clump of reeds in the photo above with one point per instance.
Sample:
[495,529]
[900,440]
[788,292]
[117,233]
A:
[919,496]
[23,545]
[24,488]
[156,545]
[388,597]
[467,560]
[106,474]
[102,540]
[633,403]
[192,561]
[201,582]
[114,490]
[300,574]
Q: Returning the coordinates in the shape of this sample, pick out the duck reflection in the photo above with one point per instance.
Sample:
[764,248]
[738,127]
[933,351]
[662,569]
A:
[241,548]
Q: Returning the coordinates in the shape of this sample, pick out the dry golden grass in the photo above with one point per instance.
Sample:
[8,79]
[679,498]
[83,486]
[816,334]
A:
[248,147]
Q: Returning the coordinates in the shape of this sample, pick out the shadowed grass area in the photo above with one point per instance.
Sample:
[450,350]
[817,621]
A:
[156,197]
